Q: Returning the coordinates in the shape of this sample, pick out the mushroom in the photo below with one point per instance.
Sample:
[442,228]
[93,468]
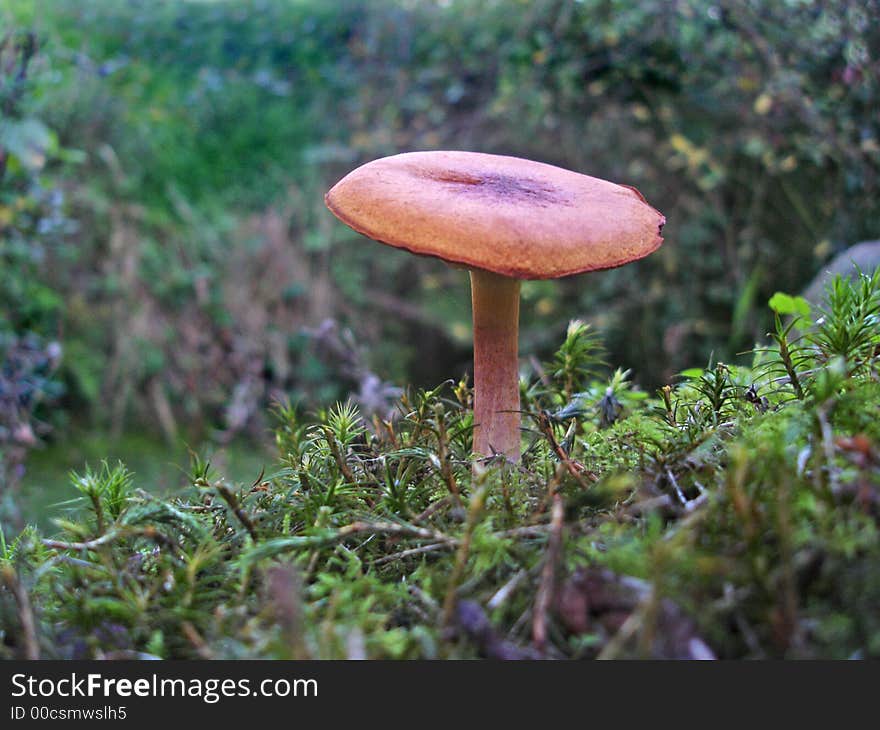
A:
[505,219]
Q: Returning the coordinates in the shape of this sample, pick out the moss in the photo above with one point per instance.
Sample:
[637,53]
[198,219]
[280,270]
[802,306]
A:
[732,515]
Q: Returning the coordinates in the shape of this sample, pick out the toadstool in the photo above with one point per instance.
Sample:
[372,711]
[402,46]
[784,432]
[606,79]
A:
[505,219]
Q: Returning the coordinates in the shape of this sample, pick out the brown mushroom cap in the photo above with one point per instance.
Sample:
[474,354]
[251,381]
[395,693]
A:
[515,217]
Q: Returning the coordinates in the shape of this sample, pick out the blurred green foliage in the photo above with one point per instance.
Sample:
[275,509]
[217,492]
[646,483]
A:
[192,143]
[31,224]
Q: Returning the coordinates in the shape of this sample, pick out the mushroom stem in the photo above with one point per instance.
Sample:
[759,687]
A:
[495,301]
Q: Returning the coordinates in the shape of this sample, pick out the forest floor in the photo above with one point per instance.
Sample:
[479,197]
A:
[733,514]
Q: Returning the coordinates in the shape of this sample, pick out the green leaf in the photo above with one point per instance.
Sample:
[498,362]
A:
[786,304]
[28,140]
[692,373]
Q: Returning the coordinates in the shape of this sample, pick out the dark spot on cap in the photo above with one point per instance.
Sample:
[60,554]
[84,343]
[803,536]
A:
[498,185]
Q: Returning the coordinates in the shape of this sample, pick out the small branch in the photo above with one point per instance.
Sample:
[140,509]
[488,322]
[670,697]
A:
[195,638]
[461,557]
[674,483]
[391,528]
[414,551]
[74,561]
[503,593]
[235,506]
[526,531]
[25,614]
[629,628]
[285,597]
[576,469]
[151,533]
[81,546]
[328,536]
[344,468]
[545,592]
[787,378]
[432,508]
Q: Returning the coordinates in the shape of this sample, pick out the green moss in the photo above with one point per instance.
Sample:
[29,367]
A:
[732,514]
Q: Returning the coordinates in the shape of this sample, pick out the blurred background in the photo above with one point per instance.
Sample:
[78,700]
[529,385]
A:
[168,268]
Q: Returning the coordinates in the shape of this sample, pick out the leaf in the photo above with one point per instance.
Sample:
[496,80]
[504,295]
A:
[28,140]
[692,373]
[786,304]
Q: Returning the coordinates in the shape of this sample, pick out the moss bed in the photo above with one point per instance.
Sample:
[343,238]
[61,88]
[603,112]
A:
[733,514]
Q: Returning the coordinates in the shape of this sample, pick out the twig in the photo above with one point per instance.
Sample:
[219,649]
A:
[74,561]
[415,551]
[107,537]
[518,626]
[632,624]
[526,531]
[503,593]
[392,528]
[150,533]
[432,508]
[476,507]
[235,506]
[445,461]
[25,614]
[576,469]
[544,595]
[344,468]
[329,536]
[674,483]
[426,600]
[195,638]
[285,593]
